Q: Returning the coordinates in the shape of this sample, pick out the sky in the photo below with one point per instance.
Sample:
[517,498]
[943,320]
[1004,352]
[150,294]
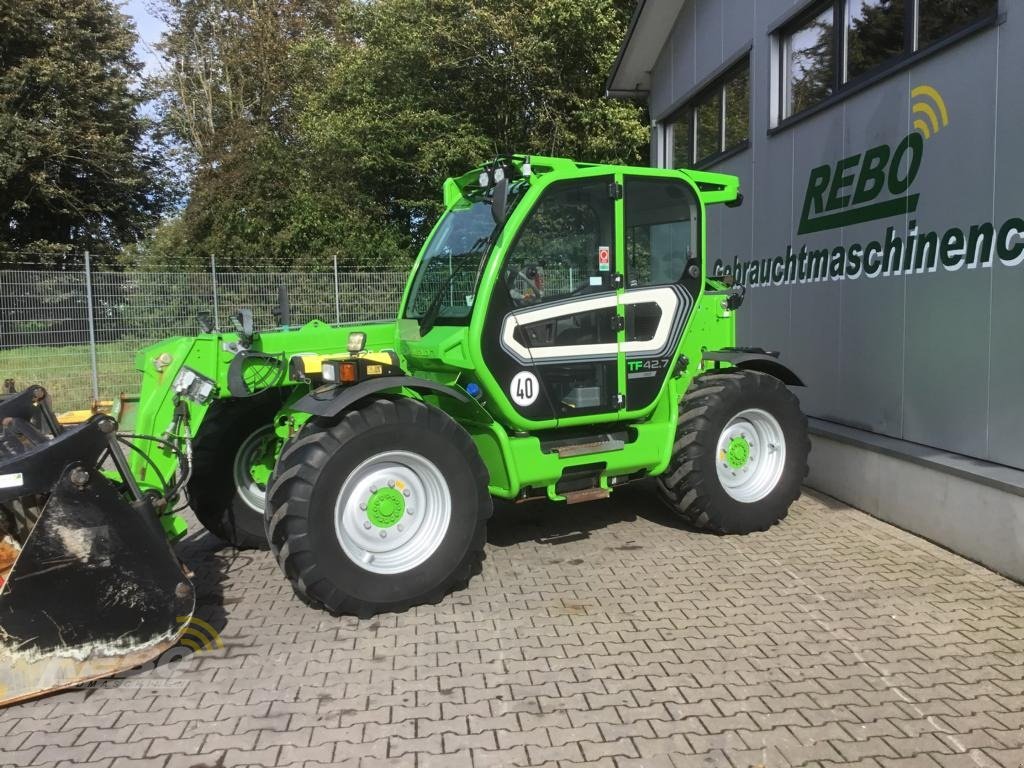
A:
[149,28]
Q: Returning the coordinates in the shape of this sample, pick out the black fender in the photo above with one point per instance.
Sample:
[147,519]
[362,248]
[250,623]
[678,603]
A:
[331,401]
[755,359]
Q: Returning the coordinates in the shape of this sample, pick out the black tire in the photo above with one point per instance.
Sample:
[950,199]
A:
[691,486]
[213,492]
[309,478]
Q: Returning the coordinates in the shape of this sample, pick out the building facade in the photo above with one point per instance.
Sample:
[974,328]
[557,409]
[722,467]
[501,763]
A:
[881,239]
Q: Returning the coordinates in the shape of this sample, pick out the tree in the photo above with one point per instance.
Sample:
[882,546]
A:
[322,130]
[228,99]
[439,85]
[76,168]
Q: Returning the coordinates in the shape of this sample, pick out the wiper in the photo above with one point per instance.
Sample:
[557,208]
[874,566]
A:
[461,260]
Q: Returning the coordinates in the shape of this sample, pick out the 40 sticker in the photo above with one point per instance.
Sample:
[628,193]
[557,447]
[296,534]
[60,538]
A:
[524,388]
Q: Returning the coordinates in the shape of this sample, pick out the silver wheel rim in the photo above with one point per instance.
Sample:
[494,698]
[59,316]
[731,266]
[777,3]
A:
[758,474]
[252,493]
[402,540]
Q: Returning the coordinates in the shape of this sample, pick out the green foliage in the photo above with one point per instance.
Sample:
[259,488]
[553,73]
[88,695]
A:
[319,130]
[76,169]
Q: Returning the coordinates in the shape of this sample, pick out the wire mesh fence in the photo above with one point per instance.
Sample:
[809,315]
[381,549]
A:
[76,329]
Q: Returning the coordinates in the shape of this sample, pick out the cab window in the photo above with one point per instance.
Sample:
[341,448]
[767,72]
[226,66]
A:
[662,223]
[566,247]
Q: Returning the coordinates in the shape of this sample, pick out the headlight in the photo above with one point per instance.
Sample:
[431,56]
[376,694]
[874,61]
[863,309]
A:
[329,373]
[193,386]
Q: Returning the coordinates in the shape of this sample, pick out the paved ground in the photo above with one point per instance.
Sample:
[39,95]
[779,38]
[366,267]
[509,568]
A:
[599,634]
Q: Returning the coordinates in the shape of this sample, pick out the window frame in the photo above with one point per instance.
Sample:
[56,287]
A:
[843,87]
[715,85]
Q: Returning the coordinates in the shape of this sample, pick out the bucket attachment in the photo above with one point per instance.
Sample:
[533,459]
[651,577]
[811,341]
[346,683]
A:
[90,586]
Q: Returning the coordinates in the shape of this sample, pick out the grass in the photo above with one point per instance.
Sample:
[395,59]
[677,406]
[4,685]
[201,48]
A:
[66,371]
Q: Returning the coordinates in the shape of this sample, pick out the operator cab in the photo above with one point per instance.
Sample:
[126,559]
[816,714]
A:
[576,291]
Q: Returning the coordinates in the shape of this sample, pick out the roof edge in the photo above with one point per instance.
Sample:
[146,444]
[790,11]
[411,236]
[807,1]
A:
[609,89]
[649,29]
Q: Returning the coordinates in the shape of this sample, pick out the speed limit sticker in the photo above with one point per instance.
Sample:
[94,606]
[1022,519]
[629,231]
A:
[524,388]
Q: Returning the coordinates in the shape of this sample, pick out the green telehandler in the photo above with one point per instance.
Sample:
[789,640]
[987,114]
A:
[559,336]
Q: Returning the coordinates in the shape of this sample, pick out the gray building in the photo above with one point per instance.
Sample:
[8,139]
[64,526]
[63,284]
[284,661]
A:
[880,144]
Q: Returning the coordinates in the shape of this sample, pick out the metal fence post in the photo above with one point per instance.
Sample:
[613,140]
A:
[337,293]
[92,328]
[216,306]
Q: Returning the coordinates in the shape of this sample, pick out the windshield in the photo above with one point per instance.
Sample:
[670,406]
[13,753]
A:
[446,283]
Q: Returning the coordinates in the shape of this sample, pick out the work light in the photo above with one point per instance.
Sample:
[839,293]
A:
[356,342]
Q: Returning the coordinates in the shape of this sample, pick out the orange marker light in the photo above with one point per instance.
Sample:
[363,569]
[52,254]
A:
[348,373]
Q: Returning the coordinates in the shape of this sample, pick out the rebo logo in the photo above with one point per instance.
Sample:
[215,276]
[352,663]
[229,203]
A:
[874,184]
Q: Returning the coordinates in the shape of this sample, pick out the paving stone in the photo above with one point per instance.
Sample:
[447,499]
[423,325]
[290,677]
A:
[831,639]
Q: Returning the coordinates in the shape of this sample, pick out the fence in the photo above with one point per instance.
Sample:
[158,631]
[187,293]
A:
[76,331]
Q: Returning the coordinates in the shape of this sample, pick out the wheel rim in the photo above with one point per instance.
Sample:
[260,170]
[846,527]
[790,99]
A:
[751,455]
[251,466]
[392,512]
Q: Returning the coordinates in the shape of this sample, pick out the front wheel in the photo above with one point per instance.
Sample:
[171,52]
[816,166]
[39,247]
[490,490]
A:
[233,455]
[385,509]
[740,454]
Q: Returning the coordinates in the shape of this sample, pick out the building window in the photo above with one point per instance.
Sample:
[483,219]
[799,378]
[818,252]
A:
[709,125]
[875,33]
[835,43]
[737,108]
[715,121]
[810,61]
[941,18]
[682,140]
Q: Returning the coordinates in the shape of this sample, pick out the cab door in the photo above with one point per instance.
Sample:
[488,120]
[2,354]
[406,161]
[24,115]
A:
[554,321]
[662,275]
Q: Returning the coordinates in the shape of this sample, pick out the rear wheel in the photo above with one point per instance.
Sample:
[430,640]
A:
[232,459]
[740,454]
[385,509]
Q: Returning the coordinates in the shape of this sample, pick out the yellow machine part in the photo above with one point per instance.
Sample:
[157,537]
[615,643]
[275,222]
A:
[70,418]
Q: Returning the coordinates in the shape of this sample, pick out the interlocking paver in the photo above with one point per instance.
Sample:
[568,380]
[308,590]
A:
[832,639]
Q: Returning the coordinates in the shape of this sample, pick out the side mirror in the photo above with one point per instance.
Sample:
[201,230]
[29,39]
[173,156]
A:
[499,202]
[735,298]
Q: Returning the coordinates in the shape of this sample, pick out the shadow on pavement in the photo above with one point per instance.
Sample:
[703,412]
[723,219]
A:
[548,522]
[211,562]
